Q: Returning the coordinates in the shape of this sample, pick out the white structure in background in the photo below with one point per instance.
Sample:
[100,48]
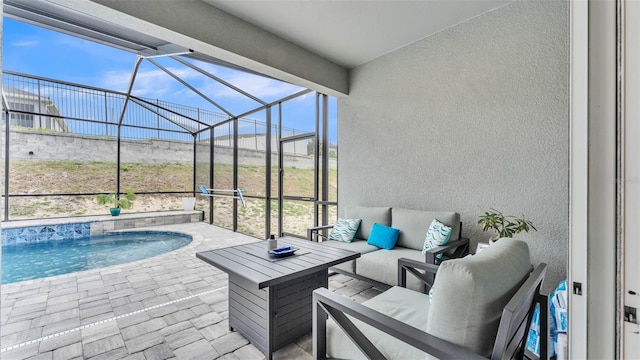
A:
[25,107]
[302,147]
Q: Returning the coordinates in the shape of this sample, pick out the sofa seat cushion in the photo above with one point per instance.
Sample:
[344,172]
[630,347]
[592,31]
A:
[358,246]
[382,266]
[369,216]
[402,304]
[470,293]
[413,225]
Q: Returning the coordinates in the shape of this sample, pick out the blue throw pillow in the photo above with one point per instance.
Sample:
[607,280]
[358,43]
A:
[382,236]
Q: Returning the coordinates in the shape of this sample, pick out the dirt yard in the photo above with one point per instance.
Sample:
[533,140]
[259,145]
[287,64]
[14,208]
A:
[29,179]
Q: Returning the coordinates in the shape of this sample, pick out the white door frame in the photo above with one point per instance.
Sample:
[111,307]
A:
[629,246]
[599,237]
[578,177]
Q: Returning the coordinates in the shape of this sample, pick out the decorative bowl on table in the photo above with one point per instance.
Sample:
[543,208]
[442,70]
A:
[283,251]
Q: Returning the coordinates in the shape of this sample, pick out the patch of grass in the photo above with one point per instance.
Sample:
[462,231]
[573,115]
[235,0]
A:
[28,209]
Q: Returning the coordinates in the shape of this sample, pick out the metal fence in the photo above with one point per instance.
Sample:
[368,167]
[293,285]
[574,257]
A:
[53,105]
[82,120]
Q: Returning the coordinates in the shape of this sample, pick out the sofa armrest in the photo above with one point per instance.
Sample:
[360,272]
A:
[453,249]
[412,266]
[338,307]
[312,230]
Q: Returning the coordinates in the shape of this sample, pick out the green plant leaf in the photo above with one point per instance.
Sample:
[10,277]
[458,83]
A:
[504,225]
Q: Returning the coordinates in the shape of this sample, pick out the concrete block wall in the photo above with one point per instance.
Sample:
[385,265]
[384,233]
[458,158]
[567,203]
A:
[42,146]
[132,221]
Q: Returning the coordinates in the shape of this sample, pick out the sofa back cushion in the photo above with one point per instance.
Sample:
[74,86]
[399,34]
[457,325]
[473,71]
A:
[369,216]
[413,225]
[470,293]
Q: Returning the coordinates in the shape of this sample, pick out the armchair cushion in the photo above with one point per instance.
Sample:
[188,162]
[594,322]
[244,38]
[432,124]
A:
[358,246]
[374,263]
[468,313]
[415,223]
[369,216]
[344,230]
[397,302]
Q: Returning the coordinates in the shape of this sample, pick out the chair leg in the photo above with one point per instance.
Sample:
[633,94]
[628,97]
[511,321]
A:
[319,331]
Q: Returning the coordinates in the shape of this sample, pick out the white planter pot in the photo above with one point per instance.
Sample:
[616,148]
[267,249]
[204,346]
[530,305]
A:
[188,203]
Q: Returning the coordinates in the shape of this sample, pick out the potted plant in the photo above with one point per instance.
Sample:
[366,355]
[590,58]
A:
[504,225]
[124,201]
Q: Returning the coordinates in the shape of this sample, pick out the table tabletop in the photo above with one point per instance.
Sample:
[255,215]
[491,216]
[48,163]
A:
[252,262]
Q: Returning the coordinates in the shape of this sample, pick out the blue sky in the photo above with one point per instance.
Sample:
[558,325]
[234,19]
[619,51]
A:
[41,52]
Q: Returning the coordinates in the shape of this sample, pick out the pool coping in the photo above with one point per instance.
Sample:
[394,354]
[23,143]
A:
[93,218]
[27,231]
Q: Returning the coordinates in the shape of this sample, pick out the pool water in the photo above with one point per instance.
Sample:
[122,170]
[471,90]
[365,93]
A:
[34,260]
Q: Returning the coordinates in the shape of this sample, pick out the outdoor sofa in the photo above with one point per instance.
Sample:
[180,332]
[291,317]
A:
[379,266]
[481,307]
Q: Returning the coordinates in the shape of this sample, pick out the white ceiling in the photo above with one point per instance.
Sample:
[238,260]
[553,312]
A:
[351,33]
[347,33]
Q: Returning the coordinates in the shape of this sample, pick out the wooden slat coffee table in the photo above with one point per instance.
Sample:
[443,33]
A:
[270,298]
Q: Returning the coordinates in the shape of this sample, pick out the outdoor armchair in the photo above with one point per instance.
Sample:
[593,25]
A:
[481,308]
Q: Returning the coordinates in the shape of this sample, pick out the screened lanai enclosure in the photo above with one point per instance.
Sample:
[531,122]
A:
[65,143]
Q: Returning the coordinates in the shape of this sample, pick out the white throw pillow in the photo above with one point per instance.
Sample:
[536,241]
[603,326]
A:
[345,230]
[437,235]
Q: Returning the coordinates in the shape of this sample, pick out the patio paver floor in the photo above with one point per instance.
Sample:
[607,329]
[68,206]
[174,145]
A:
[172,306]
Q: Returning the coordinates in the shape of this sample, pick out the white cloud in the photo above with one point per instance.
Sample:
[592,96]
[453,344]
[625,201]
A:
[258,86]
[210,68]
[25,43]
[151,83]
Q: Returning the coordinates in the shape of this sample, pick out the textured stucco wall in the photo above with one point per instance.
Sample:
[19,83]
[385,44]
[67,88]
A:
[471,118]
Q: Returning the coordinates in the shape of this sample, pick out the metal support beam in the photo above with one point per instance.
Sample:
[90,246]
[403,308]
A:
[211,173]
[134,73]
[149,103]
[195,159]
[5,105]
[190,87]
[280,174]
[211,76]
[136,66]
[119,158]
[316,161]
[267,227]
[277,102]
[235,173]
[166,50]
[325,158]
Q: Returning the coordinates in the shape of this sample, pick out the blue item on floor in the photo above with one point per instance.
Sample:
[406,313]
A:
[557,321]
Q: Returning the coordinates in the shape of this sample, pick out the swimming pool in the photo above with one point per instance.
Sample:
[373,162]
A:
[34,260]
